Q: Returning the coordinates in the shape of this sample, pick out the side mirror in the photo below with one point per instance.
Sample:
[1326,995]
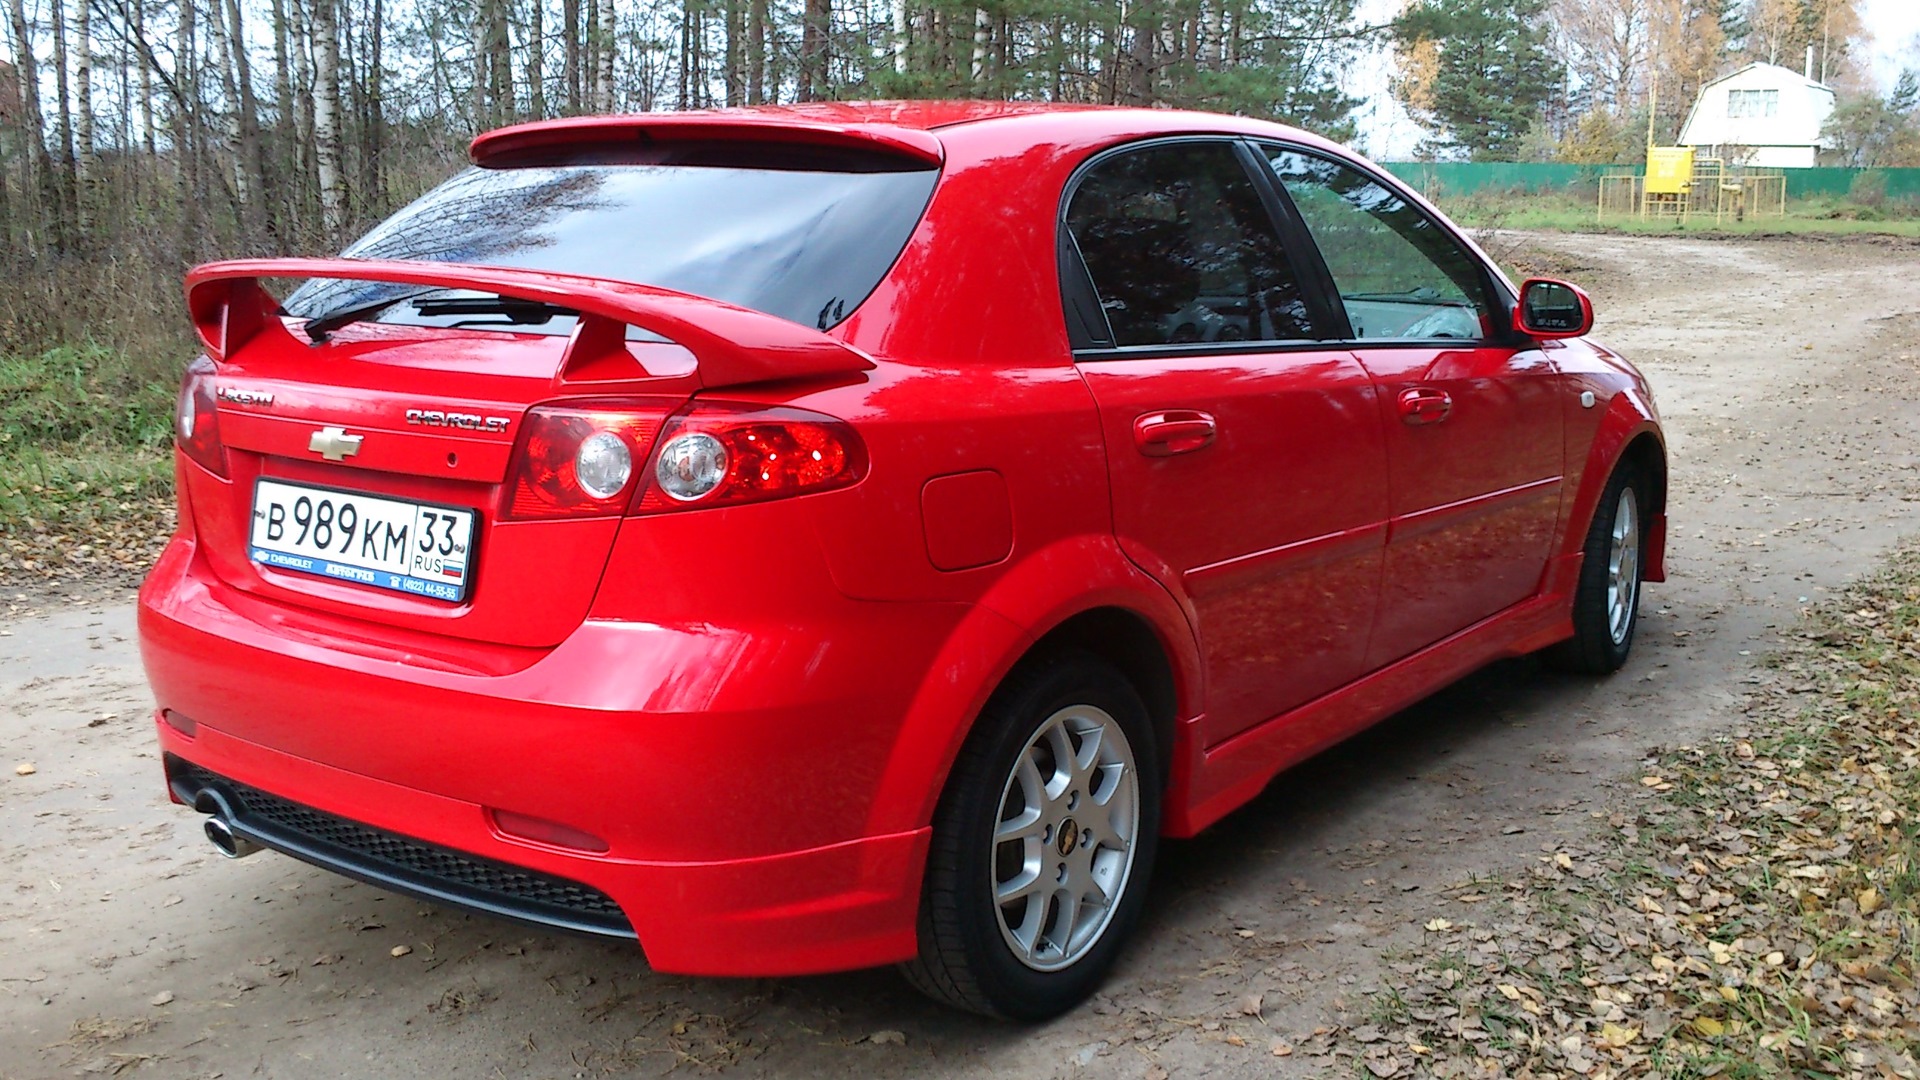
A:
[1553,309]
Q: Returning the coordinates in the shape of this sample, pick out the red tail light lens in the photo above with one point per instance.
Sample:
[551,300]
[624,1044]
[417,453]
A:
[723,455]
[580,460]
[196,420]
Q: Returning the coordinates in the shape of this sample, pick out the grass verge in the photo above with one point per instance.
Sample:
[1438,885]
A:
[1755,912]
[85,476]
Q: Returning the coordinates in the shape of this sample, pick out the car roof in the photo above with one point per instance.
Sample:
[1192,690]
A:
[906,128]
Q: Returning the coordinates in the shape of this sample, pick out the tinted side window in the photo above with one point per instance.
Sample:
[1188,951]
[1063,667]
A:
[1181,249]
[1399,273]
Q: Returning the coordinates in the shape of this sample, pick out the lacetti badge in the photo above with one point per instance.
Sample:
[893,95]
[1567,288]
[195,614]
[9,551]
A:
[243,397]
[334,443]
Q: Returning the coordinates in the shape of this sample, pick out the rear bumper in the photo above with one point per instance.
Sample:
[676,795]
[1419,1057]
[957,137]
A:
[731,774]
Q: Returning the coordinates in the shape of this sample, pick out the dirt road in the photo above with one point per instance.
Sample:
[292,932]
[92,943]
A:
[1789,374]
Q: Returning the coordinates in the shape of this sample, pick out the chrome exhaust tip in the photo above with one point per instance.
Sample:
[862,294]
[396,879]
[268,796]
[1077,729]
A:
[219,827]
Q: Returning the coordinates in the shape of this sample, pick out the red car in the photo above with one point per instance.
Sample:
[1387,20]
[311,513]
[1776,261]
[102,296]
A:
[803,539]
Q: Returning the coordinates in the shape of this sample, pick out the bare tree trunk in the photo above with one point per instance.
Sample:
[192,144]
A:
[326,120]
[67,213]
[977,70]
[570,27]
[500,103]
[536,59]
[684,55]
[307,191]
[285,160]
[603,80]
[226,53]
[186,130]
[83,97]
[374,143]
[482,22]
[590,57]
[148,134]
[39,165]
[815,25]
[757,52]
[736,16]
[902,25]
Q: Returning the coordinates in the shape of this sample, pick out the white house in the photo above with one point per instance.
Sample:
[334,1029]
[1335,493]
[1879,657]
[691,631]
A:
[1762,115]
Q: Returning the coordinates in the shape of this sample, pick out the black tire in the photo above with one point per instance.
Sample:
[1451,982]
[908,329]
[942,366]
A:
[966,959]
[1599,645]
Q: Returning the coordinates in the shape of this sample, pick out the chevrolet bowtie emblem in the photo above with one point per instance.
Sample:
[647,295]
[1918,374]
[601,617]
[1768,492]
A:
[334,443]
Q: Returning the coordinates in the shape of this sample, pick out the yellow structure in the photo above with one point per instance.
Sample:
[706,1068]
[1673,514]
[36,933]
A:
[1669,170]
[1678,186]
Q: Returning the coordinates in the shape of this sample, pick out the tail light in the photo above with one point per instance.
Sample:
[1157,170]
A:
[196,419]
[581,460]
[597,459]
[723,455]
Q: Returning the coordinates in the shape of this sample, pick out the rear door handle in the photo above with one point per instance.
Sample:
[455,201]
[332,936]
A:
[1425,405]
[1173,431]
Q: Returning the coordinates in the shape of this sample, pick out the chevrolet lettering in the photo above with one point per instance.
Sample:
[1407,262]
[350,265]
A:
[464,421]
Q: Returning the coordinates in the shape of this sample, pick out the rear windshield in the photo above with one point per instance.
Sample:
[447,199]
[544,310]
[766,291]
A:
[806,245]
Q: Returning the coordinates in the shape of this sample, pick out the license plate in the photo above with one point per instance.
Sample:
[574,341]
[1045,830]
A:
[395,544]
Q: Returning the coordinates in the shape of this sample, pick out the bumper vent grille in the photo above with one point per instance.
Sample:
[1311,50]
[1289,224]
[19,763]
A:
[402,864]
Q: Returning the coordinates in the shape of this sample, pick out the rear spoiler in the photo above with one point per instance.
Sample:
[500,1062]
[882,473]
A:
[731,345]
[524,142]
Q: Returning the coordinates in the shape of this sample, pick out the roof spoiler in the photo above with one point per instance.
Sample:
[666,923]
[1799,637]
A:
[512,145]
[731,345]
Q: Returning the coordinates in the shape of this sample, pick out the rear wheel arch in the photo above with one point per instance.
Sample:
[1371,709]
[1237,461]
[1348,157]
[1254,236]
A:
[1127,640]
[1079,593]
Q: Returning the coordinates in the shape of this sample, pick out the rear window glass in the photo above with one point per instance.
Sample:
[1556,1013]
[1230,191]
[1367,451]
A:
[805,245]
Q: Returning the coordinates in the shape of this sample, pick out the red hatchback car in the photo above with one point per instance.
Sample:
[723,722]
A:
[804,539]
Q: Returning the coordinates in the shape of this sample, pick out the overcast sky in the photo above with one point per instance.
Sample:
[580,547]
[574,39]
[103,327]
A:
[1387,134]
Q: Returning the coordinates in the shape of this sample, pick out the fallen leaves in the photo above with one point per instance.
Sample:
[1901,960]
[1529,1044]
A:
[1750,902]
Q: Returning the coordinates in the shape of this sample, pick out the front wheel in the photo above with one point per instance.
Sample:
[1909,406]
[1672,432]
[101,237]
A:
[1606,603]
[1042,845]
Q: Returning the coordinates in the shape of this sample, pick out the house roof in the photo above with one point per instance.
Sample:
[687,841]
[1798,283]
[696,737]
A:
[1763,65]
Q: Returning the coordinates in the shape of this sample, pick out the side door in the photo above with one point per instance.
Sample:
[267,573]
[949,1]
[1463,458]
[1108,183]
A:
[1245,453]
[1472,413]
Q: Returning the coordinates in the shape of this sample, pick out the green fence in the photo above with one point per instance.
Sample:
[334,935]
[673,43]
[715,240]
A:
[1434,178]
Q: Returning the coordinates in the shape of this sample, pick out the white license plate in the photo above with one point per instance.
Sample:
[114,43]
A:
[392,544]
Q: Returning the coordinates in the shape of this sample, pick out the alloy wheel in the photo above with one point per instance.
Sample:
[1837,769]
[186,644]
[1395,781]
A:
[1064,843]
[1623,566]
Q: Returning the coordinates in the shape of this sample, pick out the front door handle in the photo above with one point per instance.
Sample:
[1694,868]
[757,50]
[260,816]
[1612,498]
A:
[1425,405]
[1173,431]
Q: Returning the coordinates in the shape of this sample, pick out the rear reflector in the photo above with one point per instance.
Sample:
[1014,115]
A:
[542,831]
[185,725]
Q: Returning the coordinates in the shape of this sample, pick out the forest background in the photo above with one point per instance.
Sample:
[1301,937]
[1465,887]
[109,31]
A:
[138,137]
